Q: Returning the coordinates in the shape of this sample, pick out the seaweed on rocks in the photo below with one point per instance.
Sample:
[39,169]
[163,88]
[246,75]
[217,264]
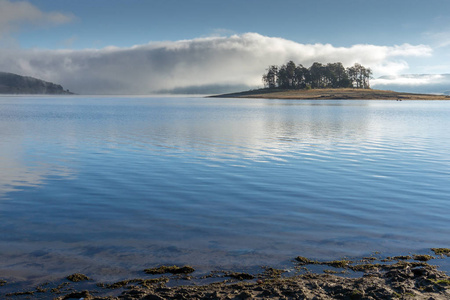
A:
[77,277]
[441,251]
[170,269]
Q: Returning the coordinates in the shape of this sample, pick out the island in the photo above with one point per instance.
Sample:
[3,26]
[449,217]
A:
[16,84]
[332,93]
[323,81]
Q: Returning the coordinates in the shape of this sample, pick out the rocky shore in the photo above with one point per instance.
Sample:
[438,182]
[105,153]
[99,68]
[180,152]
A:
[330,94]
[399,277]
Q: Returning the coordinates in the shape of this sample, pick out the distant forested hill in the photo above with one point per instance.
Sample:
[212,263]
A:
[16,84]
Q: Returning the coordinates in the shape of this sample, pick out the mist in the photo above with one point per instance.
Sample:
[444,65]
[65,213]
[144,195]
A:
[234,61]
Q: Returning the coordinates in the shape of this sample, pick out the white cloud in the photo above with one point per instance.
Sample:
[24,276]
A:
[15,14]
[410,79]
[421,83]
[391,67]
[410,50]
[238,59]
[440,39]
[67,43]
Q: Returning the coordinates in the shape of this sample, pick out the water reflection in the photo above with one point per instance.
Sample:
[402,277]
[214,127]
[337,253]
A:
[250,129]
[22,166]
[218,182]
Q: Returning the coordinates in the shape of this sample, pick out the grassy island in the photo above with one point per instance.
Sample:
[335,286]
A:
[323,82]
[332,93]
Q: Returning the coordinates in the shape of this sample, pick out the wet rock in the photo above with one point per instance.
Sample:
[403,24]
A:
[304,261]
[441,251]
[365,267]
[241,276]
[418,272]
[402,257]
[245,295]
[77,277]
[152,297]
[337,263]
[20,293]
[147,283]
[170,269]
[423,257]
[78,295]
[400,280]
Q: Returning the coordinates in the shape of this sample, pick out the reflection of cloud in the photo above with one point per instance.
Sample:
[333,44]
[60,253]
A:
[423,83]
[238,59]
[18,172]
[16,14]
[15,175]
[253,130]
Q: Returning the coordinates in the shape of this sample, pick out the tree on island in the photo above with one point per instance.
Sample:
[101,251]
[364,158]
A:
[332,75]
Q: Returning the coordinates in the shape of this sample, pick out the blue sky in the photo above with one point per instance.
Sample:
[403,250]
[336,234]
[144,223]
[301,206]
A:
[99,23]
[48,27]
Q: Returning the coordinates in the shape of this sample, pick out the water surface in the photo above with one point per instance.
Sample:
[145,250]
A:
[110,185]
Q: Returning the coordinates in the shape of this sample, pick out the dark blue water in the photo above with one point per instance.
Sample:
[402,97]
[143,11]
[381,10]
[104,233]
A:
[108,186]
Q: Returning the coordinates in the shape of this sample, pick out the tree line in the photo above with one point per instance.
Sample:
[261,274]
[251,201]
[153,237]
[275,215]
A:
[331,75]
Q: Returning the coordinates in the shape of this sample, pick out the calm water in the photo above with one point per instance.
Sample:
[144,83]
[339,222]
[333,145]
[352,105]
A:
[109,186]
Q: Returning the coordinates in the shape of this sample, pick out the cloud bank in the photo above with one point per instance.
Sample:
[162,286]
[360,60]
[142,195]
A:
[418,83]
[228,61]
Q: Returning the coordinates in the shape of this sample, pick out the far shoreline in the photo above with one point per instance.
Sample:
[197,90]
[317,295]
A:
[331,94]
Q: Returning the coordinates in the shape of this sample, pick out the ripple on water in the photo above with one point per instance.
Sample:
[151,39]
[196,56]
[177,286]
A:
[141,181]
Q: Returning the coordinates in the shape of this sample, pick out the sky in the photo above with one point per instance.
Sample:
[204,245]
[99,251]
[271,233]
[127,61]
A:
[143,47]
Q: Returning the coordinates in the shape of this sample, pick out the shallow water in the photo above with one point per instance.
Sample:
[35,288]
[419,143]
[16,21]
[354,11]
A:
[111,185]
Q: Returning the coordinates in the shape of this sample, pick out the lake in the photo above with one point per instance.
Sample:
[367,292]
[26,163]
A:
[108,186]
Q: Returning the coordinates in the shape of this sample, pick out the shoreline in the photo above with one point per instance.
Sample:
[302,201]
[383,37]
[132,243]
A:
[332,94]
[372,277]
